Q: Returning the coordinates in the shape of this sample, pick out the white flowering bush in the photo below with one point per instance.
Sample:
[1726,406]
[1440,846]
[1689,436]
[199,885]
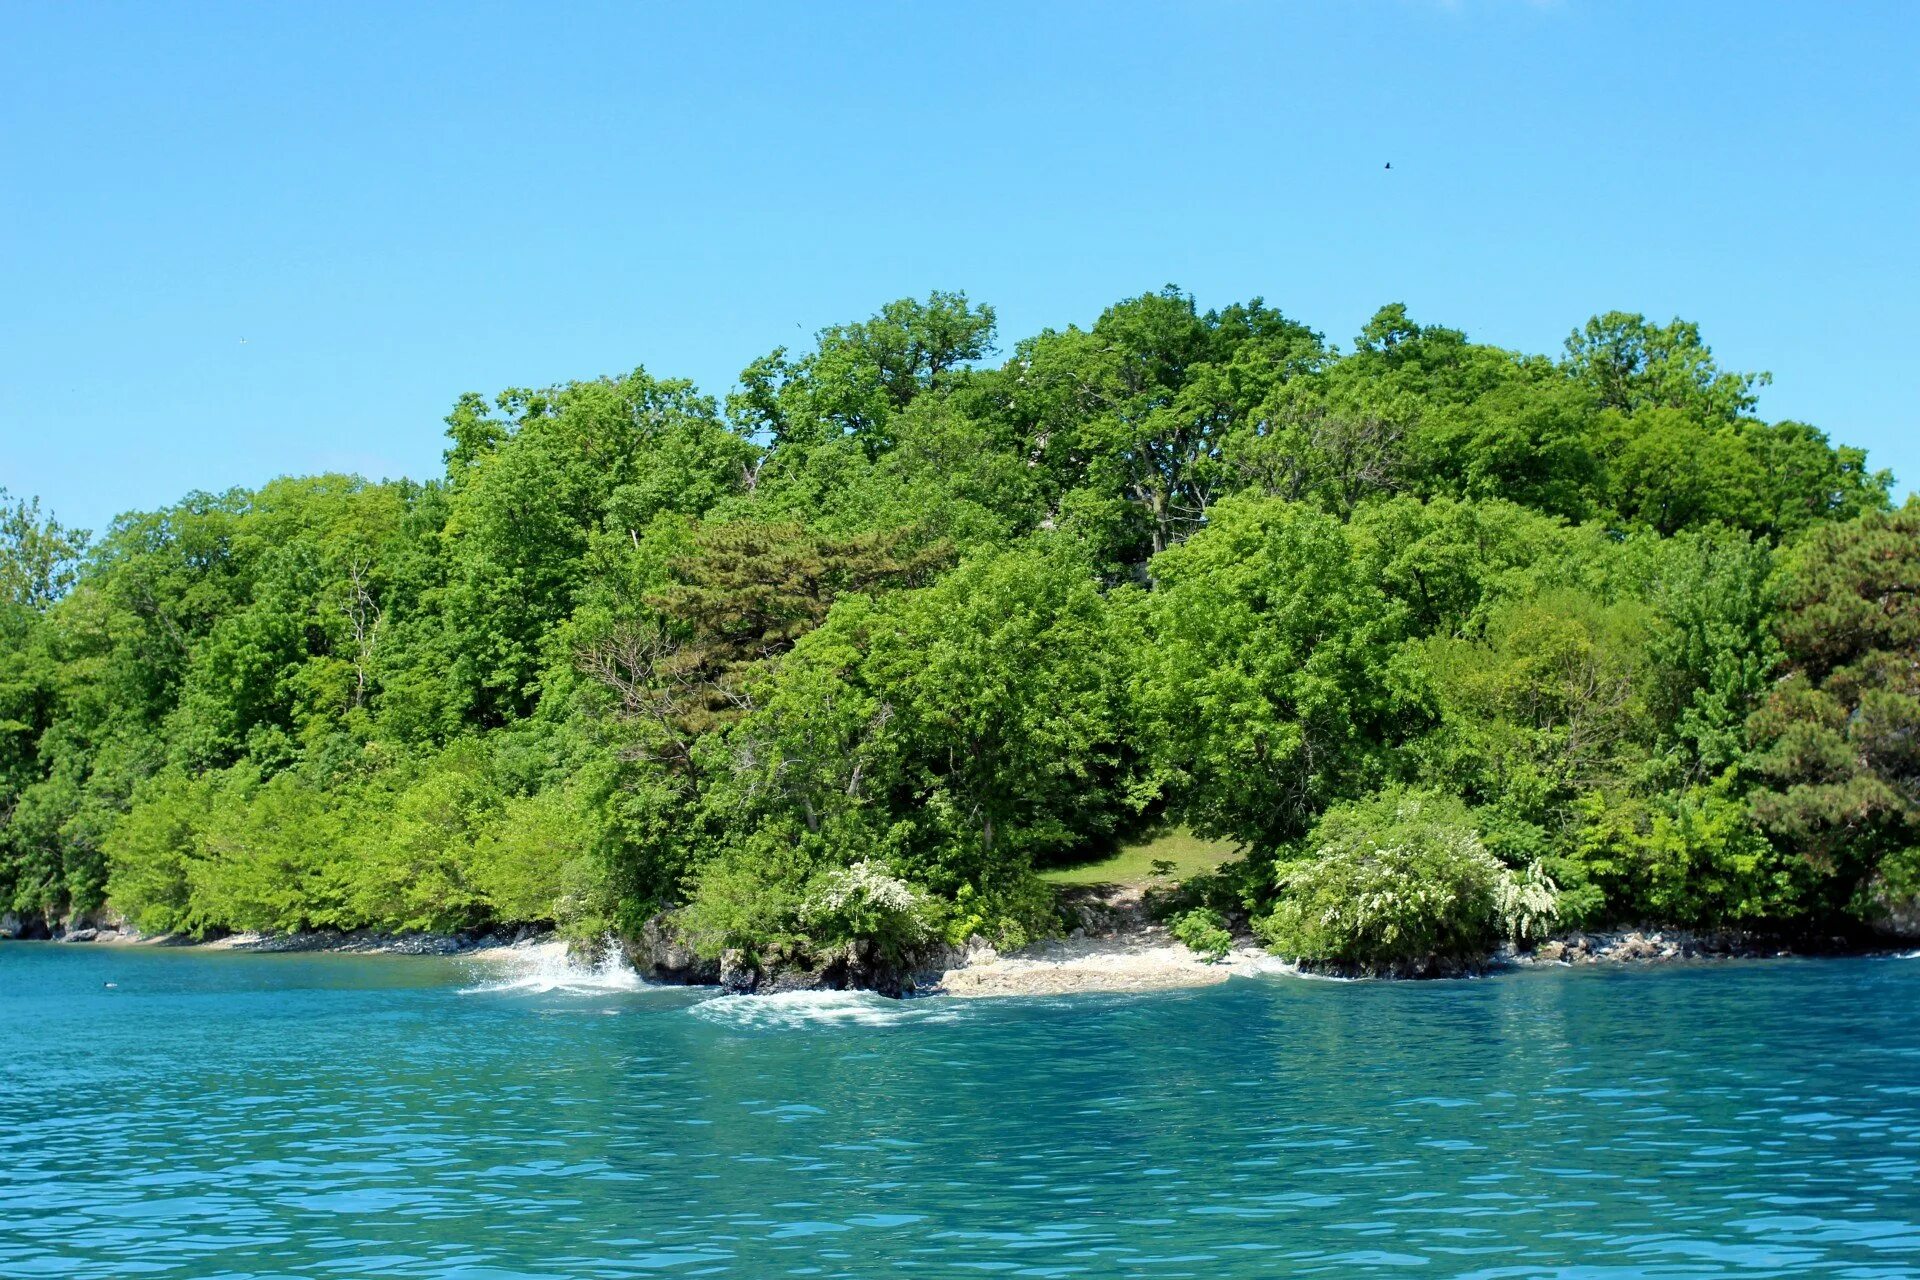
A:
[865,901]
[1528,905]
[1400,879]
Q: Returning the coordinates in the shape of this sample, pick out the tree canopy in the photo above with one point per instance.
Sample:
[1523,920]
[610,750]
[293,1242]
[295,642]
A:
[909,614]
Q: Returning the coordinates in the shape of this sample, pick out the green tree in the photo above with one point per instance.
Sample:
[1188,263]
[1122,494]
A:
[541,480]
[38,555]
[861,374]
[1837,741]
[1127,421]
[739,595]
[1545,701]
[1264,681]
[983,713]
[1629,364]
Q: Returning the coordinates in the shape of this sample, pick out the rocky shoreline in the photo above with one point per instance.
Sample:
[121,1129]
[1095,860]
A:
[107,930]
[1117,946]
[1634,946]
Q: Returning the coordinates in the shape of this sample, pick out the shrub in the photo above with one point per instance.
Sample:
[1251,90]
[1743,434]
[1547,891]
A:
[1693,857]
[1239,884]
[1204,930]
[865,903]
[749,895]
[271,858]
[1528,905]
[1891,900]
[536,862]
[1010,912]
[1402,879]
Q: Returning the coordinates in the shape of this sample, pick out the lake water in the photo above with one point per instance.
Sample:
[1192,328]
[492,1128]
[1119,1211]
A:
[223,1115]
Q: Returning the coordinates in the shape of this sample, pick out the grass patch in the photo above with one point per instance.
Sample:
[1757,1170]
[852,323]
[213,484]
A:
[1132,863]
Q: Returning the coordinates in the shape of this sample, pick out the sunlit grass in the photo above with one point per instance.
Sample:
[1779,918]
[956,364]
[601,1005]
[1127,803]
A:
[1133,863]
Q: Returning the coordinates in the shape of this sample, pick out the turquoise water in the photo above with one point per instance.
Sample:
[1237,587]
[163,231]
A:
[220,1115]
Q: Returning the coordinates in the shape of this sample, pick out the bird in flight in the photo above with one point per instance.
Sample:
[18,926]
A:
[1389,164]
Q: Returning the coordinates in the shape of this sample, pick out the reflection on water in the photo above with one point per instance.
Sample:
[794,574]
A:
[222,1115]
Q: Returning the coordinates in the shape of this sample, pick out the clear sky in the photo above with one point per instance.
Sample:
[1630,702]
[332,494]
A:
[392,204]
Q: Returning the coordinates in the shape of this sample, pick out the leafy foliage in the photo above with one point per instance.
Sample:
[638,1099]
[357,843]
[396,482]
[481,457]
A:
[1203,930]
[1401,879]
[1838,739]
[1446,638]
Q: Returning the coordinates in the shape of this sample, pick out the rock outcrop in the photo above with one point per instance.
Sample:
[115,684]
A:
[661,953]
[24,925]
[1640,946]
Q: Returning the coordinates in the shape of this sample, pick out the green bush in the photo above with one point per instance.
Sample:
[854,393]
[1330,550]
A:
[1400,880]
[1009,914]
[147,850]
[749,896]
[1689,857]
[1239,884]
[271,858]
[537,862]
[1204,930]
[866,903]
[1891,900]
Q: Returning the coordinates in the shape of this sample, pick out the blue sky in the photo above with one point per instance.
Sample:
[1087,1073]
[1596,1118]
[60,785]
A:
[393,204]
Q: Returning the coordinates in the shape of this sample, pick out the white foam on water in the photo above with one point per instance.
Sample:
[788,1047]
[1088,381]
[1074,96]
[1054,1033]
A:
[1255,966]
[547,966]
[794,1010]
[1267,966]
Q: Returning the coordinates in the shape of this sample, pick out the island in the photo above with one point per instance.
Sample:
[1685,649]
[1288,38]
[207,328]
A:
[1427,653]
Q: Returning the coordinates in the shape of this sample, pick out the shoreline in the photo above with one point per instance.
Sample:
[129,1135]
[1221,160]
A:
[350,942]
[1127,953]
[1149,959]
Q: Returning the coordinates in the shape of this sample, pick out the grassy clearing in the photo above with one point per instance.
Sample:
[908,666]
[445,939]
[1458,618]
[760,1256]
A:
[1133,863]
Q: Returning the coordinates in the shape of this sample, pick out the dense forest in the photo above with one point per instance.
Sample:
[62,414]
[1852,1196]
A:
[1453,641]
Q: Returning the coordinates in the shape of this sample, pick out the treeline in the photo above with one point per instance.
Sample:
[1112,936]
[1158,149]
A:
[1575,639]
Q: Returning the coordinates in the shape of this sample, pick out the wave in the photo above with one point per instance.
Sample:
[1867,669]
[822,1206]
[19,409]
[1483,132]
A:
[1265,966]
[548,966]
[794,1010]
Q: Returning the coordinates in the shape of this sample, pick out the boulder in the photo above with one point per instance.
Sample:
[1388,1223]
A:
[422,944]
[780,980]
[1895,916]
[661,953]
[737,975]
[100,919]
[1636,946]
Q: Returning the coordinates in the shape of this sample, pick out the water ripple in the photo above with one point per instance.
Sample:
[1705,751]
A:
[330,1116]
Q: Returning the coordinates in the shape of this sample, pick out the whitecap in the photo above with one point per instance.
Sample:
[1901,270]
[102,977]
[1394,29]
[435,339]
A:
[549,966]
[1262,965]
[792,1010]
